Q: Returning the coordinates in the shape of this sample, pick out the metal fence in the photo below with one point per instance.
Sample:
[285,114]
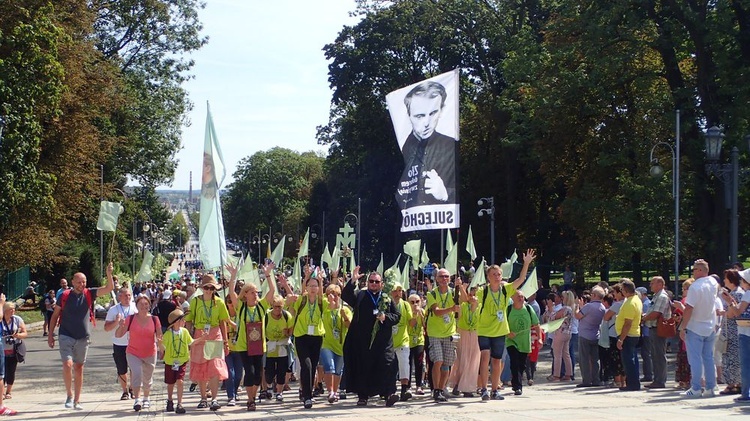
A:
[16,283]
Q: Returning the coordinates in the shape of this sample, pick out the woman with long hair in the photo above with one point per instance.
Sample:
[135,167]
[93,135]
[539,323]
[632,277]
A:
[731,362]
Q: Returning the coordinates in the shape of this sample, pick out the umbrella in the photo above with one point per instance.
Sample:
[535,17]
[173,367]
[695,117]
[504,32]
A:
[174,275]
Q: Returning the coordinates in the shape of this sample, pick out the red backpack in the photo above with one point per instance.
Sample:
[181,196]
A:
[89,300]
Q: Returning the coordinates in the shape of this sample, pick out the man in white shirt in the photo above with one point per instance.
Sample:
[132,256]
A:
[120,311]
[697,330]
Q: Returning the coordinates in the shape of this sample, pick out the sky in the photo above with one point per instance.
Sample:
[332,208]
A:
[265,76]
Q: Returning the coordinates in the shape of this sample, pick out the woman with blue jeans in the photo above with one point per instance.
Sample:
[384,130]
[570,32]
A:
[741,312]
[336,320]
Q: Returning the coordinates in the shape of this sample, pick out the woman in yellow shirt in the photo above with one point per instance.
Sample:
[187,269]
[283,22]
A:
[336,320]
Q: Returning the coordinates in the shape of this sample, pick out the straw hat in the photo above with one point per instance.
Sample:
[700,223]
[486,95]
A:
[174,316]
[209,280]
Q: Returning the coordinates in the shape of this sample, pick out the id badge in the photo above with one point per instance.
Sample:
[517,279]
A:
[336,334]
[176,366]
[206,328]
[500,316]
[446,319]
[311,330]
[375,312]
[271,346]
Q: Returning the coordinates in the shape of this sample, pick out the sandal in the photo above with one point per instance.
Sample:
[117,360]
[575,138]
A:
[251,405]
[8,396]
[125,396]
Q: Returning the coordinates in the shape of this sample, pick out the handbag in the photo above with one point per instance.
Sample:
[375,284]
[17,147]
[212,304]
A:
[666,328]
[19,347]
[254,336]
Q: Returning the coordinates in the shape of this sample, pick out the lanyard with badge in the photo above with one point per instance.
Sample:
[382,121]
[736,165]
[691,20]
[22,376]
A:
[176,338]
[207,313]
[443,303]
[500,315]
[375,302]
[335,324]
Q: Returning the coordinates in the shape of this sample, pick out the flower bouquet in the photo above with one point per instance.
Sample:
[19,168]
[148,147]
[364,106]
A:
[390,278]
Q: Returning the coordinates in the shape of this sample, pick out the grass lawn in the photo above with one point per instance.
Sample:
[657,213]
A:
[31,316]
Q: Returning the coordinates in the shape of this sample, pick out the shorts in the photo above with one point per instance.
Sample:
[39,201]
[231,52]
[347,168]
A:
[74,349]
[121,361]
[171,376]
[332,363]
[496,345]
[442,350]
[402,354]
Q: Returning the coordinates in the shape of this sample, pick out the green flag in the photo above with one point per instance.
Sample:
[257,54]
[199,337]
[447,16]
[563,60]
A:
[245,271]
[448,241]
[424,260]
[109,213]
[278,252]
[411,248]
[213,245]
[144,275]
[451,261]
[335,258]
[405,275]
[470,245]
[531,285]
[352,263]
[326,257]
[395,264]
[296,278]
[478,280]
[507,267]
[232,260]
[262,284]
[303,248]
[380,265]
[552,326]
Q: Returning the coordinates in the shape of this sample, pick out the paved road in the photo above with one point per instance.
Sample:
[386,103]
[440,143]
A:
[39,395]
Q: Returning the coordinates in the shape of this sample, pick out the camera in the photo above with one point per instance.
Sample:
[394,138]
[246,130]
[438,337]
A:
[10,340]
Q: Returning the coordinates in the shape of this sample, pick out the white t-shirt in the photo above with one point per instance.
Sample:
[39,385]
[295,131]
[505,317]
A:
[702,297]
[615,308]
[741,329]
[112,316]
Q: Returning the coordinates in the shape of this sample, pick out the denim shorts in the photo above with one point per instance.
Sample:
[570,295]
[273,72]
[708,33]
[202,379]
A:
[332,363]
[495,344]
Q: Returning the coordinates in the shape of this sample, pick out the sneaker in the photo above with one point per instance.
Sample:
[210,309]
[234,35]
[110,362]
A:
[456,392]
[420,391]
[485,395]
[137,405]
[391,400]
[232,402]
[69,402]
[78,407]
[468,394]
[341,394]
[692,394]
[405,396]
[202,404]
[440,397]
[530,382]
[179,409]
[170,406]
[4,410]
[279,397]
[362,402]
[146,404]
[518,392]
[215,405]
[192,387]
[331,397]
[496,396]
[308,403]
[709,393]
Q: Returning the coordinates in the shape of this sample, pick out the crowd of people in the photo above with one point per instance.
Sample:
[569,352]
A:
[368,336]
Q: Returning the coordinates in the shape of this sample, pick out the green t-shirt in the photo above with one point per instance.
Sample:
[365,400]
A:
[245,314]
[445,325]
[309,316]
[467,319]
[416,333]
[335,331]
[275,333]
[400,331]
[492,320]
[211,312]
[520,322]
[176,347]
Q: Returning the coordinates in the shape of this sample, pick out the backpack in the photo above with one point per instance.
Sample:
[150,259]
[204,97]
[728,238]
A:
[528,308]
[283,313]
[487,292]
[89,299]
[304,303]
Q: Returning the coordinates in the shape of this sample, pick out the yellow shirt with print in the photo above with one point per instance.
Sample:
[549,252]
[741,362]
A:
[632,308]
[333,338]
[311,315]
[176,346]
[441,326]
[245,314]
[493,322]
[275,332]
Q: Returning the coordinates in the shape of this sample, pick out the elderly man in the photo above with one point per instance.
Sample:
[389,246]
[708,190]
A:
[441,326]
[74,310]
[697,330]
[589,319]
[660,308]
[125,308]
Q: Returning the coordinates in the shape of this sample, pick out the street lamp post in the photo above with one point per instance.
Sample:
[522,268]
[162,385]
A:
[657,171]
[489,201]
[729,174]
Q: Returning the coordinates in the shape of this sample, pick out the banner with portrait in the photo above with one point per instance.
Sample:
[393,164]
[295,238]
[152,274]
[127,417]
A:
[425,119]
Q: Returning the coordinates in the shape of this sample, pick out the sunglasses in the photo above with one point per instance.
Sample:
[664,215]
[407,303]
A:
[209,288]
[414,302]
[373,281]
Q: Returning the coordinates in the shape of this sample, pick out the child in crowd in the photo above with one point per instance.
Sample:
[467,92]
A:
[176,345]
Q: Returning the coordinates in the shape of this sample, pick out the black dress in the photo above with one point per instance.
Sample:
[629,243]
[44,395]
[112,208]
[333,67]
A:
[369,370]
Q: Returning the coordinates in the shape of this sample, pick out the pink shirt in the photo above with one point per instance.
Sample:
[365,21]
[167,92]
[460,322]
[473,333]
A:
[142,341]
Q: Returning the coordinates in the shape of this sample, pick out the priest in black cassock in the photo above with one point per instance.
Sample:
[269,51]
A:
[370,365]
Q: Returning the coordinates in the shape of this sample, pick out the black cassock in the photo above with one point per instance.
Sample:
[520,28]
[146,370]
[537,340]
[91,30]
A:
[369,371]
